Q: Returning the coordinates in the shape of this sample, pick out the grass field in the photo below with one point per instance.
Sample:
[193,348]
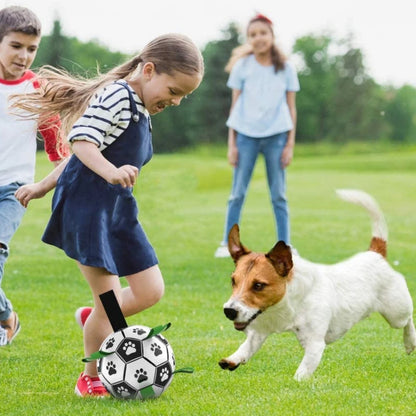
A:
[182,200]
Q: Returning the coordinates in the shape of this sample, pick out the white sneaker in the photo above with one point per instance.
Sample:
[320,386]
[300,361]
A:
[3,337]
[222,252]
[294,251]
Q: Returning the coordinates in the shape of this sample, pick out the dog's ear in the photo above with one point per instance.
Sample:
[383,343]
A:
[281,257]
[235,247]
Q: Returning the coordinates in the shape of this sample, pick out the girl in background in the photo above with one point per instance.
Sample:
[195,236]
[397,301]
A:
[262,120]
[94,213]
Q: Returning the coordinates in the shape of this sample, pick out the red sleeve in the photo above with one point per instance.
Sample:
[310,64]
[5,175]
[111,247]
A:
[54,147]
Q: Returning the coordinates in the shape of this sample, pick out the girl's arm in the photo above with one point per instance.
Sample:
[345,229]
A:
[39,189]
[232,153]
[287,154]
[89,154]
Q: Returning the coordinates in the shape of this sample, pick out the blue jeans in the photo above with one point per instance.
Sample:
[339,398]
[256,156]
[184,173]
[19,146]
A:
[11,214]
[248,150]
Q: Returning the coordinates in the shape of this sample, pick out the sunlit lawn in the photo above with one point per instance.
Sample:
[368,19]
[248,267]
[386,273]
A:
[182,200]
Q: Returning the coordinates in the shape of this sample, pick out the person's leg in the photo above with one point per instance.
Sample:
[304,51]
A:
[144,290]
[272,148]
[97,327]
[248,149]
[11,214]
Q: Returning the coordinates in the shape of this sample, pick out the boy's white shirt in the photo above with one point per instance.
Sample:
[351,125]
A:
[17,136]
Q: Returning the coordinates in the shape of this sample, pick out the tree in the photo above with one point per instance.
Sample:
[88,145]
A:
[317,79]
[401,114]
[75,56]
[201,117]
[52,47]
[338,100]
[214,95]
[357,102]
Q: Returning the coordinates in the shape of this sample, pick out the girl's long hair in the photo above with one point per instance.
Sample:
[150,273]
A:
[278,57]
[68,96]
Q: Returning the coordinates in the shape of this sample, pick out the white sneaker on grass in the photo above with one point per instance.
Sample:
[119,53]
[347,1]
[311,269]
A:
[222,251]
[3,337]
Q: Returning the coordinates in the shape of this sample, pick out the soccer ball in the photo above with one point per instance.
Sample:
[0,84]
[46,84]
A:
[136,365]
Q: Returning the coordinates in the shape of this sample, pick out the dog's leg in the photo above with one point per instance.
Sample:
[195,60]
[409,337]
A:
[313,354]
[246,350]
[409,336]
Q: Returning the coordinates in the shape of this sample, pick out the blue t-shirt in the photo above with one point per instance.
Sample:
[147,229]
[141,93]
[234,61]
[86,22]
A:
[261,109]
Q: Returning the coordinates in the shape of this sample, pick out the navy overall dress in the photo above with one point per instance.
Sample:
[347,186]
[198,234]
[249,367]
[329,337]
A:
[95,222]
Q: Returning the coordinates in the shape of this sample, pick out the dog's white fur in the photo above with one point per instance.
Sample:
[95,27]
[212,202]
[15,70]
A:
[276,292]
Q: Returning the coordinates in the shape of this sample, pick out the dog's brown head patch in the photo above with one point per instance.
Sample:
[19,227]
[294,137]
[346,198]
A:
[259,280]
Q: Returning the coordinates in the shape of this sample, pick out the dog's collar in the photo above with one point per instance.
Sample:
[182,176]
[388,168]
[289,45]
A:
[254,316]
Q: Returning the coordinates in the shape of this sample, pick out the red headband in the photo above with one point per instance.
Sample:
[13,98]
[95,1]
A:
[261,17]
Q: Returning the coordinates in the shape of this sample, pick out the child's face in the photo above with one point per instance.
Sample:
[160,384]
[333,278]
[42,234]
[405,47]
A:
[260,36]
[159,91]
[17,52]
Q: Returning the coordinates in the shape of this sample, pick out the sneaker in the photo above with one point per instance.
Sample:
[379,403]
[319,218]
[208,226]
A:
[90,387]
[222,251]
[82,314]
[3,337]
[294,251]
[9,329]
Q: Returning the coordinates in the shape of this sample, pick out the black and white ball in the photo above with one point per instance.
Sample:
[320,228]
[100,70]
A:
[138,366]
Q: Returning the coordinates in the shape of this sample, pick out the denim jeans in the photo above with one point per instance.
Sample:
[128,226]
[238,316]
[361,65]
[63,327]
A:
[248,150]
[11,214]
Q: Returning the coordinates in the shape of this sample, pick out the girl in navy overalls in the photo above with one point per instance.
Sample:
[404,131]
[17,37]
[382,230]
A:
[94,214]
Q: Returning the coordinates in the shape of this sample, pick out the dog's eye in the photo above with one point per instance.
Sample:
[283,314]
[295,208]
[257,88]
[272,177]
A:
[258,287]
[232,282]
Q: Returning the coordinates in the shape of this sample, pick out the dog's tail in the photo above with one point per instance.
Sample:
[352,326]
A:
[379,226]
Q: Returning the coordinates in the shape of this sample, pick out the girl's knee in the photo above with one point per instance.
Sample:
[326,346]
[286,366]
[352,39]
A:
[157,293]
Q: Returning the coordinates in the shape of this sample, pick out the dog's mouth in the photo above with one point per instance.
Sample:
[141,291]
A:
[241,326]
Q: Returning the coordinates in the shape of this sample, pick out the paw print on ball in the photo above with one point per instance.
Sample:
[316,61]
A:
[123,391]
[130,350]
[139,331]
[110,343]
[141,375]
[155,348]
[111,368]
[164,374]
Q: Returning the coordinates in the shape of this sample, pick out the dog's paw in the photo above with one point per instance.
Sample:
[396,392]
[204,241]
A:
[301,374]
[410,348]
[228,365]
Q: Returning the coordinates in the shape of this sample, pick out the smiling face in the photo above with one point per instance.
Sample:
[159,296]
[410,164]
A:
[158,91]
[261,37]
[17,52]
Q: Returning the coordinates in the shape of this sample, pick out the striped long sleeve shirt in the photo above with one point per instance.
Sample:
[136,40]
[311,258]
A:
[107,116]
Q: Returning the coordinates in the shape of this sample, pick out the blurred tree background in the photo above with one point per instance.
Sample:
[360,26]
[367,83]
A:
[338,102]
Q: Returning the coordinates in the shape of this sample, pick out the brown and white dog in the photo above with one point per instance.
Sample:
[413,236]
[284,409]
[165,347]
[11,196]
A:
[278,292]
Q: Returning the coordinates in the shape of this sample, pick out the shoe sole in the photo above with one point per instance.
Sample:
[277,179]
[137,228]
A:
[96,396]
[78,318]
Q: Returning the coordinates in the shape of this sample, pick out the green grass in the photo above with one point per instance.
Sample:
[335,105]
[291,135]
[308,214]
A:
[182,200]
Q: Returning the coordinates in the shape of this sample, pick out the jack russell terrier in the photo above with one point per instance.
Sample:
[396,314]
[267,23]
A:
[278,292]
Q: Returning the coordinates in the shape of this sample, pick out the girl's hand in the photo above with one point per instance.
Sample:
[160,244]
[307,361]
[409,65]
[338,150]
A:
[28,192]
[125,176]
[232,155]
[287,156]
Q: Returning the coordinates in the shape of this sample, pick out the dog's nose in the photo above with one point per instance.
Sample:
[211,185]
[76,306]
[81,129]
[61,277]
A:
[230,313]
